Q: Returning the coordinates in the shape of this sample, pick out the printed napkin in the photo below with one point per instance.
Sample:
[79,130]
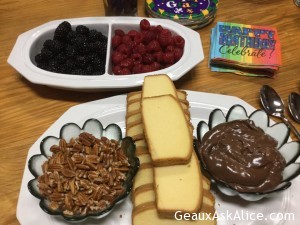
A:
[245,49]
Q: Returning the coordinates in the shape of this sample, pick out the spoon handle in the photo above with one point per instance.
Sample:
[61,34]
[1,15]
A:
[290,125]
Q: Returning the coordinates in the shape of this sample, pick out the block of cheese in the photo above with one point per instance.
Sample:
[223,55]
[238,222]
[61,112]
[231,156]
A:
[146,214]
[156,85]
[166,130]
[178,188]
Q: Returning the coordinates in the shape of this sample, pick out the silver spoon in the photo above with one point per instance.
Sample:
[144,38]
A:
[273,105]
[294,106]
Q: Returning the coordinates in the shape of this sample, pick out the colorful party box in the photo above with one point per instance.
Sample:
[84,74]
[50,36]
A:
[245,49]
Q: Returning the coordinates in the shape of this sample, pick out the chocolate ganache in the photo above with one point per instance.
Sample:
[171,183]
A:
[242,156]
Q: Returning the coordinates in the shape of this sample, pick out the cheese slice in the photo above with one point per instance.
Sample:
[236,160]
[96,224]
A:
[155,85]
[178,187]
[167,131]
[146,214]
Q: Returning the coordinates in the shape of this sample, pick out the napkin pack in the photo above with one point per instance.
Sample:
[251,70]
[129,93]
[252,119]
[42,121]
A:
[245,49]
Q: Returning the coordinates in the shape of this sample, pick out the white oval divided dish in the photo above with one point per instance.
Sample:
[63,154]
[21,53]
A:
[30,43]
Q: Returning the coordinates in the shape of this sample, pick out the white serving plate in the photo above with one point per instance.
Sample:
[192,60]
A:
[30,43]
[113,110]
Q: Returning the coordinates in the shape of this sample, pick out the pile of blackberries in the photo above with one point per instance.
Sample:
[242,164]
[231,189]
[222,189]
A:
[81,52]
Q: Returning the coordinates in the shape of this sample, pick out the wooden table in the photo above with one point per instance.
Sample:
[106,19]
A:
[27,110]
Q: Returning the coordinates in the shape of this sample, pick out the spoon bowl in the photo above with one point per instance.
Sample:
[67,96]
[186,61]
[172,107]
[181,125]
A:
[274,106]
[271,101]
[294,106]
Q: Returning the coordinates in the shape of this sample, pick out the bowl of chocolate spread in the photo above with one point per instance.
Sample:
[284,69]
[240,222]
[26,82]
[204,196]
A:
[244,155]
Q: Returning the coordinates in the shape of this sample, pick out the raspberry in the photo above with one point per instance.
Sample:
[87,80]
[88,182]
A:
[132,33]
[158,28]
[148,37]
[124,49]
[127,63]
[137,69]
[138,38]
[126,39]
[153,46]
[140,48]
[119,32]
[116,41]
[158,56]
[164,37]
[155,66]
[168,58]
[148,59]
[170,48]
[137,58]
[178,41]
[168,65]
[131,44]
[178,52]
[146,69]
[125,71]
[144,24]
[116,58]
[117,70]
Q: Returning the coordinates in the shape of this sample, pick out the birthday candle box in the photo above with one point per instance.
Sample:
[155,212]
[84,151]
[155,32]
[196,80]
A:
[245,49]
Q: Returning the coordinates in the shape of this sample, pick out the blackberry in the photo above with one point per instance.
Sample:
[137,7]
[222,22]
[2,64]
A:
[81,61]
[55,46]
[83,30]
[92,57]
[78,72]
[69,65]
[70,51]
[99,48]
[62,31]
[43,66]
[99,72]
[99,65]
[74,52]
[61,58]
[83,47]
[39,59]
[70,36]
[54,66]
[94,36]
[78,41]
[89,70]
[46,54]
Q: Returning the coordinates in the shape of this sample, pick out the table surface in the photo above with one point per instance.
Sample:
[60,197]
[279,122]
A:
[27,109]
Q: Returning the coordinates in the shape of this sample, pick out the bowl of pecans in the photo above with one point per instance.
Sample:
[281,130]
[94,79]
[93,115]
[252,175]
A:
[84,172]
